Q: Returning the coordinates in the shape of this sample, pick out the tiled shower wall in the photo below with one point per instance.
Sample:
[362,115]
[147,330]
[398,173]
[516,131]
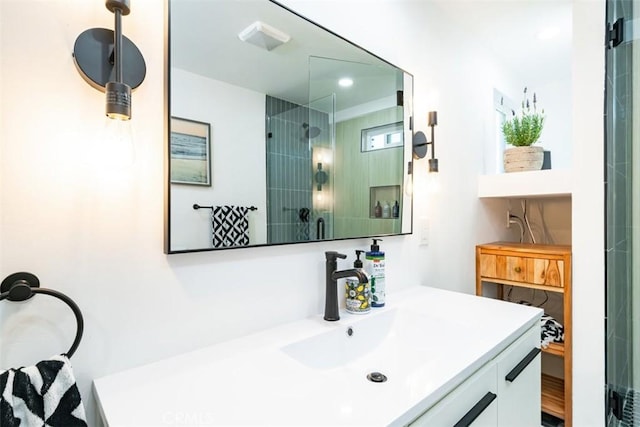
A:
[289,170]
[357,172]
[619,369]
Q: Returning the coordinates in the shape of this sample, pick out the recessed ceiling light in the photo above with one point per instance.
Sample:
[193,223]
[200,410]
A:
[345,82]
[548,33]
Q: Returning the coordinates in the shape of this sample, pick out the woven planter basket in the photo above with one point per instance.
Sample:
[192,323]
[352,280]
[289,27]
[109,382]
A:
[519,159]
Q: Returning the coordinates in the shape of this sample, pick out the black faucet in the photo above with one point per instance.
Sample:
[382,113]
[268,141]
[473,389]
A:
[331,311]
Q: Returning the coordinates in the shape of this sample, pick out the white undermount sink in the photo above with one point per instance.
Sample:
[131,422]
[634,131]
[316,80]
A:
[313,372]
[394,342]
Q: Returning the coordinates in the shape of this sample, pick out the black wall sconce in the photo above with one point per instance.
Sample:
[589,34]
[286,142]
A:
[421,145]
[110,62]
[321,177]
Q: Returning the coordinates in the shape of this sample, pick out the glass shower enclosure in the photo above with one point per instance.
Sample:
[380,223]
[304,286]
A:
[622,188]
[299,146]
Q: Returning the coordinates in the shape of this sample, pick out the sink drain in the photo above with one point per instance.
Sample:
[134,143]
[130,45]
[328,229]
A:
[377,377]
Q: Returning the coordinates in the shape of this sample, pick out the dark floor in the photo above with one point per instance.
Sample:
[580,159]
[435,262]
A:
[551,421]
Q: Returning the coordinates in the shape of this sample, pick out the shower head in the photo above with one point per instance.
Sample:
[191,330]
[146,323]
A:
[310,132]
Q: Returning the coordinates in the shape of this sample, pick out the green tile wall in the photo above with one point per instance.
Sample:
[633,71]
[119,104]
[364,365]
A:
[359,171]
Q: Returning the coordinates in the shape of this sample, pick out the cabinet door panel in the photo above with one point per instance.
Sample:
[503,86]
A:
[519,399]
[460,401]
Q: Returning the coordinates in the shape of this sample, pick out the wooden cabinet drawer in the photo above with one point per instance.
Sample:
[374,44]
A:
[539,271]
[549,272]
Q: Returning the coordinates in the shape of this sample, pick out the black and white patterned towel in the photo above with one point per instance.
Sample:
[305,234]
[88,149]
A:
[302,225]
[44,395]
[230,226]
[550,331]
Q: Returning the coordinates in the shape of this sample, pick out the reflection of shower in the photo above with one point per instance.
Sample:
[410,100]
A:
[320,228]
[269,133]
[310,132]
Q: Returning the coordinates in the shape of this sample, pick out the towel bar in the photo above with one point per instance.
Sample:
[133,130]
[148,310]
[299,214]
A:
[197,206]
[21,286]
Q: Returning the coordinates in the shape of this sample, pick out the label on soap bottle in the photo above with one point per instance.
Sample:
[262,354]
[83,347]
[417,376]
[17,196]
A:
[375,269]
[358,296]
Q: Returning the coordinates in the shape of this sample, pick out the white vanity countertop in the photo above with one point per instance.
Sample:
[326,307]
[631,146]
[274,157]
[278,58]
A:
[310,372]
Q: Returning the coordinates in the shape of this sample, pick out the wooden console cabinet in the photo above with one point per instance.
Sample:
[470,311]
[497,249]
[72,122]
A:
[544,267]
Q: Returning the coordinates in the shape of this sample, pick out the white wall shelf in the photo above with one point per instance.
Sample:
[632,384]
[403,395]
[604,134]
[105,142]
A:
[530,184]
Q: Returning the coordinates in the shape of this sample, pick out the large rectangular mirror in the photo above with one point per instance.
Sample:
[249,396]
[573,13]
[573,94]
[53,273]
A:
[279,131]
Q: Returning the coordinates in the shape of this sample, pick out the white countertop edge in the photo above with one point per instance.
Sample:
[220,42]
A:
[299,330]
[446,388]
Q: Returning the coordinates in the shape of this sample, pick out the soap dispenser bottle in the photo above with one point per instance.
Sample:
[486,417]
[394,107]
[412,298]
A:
[358,295]
[377,210]
[374,267]
[396,210]
[386,210]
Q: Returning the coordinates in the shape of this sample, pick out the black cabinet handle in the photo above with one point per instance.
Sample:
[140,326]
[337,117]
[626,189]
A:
[477,409]
[511,376]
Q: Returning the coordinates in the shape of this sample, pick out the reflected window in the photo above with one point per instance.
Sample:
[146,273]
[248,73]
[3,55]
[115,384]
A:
[503,107]
[381,137]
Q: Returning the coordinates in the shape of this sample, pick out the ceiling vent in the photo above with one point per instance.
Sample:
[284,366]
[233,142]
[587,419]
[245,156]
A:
[263,36]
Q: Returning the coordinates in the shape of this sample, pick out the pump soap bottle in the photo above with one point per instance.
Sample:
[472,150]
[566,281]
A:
[396,210]
[386,210]
[377,210]
[358,295]
[374,267]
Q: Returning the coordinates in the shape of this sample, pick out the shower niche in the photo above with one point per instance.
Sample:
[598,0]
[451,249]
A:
[383,202]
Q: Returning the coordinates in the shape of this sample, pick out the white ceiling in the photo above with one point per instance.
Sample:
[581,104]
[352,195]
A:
[204,40]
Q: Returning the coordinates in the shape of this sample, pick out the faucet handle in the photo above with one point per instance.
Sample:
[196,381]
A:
[333,255]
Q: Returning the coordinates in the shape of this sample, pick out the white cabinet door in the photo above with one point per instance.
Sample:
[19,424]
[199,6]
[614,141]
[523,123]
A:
[519,382]
[473,403]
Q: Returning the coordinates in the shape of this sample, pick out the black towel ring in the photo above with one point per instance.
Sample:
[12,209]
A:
[21,286]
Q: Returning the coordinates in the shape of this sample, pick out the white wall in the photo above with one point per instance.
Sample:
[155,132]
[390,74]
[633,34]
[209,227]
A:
[555,96]
[97,235]
[588,217]
[230,139]
[366,108]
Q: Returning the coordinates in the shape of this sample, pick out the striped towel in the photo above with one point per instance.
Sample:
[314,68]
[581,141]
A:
[42,395]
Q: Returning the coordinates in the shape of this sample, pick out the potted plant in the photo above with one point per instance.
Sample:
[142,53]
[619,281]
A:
[522,131]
